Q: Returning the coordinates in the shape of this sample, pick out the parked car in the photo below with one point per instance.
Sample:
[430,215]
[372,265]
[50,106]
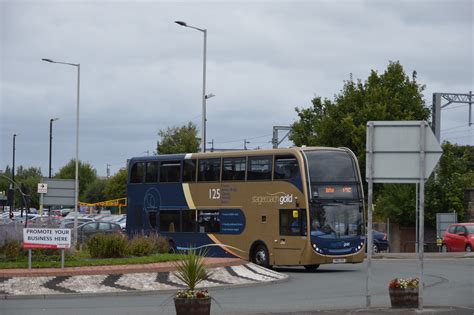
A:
[121,220]
[86,230]
[69,222]
[458,237]
[380,241]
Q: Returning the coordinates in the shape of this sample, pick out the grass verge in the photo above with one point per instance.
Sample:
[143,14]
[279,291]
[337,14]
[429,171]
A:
[71,262]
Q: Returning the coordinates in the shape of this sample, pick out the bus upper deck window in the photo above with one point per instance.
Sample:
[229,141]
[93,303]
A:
[151,175]
[189,171]
[286,167]
[259,168]
[138,170]
[233,168]
[209,170]
[170,172]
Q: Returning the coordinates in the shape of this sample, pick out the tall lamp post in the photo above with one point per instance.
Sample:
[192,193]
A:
[13,176]
[204,96]
[76,185]
[13,169]
[51,142]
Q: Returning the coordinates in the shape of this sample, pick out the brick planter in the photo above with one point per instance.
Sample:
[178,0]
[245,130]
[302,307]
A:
[192,306]
[404,298]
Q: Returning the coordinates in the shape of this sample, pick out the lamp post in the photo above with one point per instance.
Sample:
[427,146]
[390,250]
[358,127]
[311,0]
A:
[204,96]
[13,168]
[13,176]
[51,142]
[76,185]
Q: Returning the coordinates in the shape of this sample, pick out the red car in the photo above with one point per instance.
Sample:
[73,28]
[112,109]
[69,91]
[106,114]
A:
[458,238]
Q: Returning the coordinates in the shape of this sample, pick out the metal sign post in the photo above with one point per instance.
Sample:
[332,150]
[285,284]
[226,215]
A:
[400,152]
[370,180]
[421,229]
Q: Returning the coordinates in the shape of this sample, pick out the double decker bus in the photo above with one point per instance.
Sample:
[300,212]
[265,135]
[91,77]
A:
[293,206]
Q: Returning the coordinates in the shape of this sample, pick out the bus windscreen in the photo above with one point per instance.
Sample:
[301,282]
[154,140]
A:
[330,166]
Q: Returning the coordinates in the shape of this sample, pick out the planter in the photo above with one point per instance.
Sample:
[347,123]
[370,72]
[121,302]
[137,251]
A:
[192,306]
[404,298]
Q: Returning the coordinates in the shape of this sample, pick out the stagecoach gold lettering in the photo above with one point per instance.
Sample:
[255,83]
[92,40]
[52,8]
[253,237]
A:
[279,197]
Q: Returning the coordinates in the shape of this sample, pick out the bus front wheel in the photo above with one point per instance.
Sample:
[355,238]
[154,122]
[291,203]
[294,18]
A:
[260,256]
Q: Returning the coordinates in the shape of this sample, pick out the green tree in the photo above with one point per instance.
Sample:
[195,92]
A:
[4,182]
[95,192]
[178,140]
[30,178]
[87,174]
[342,122]
[117,185]
[453,175]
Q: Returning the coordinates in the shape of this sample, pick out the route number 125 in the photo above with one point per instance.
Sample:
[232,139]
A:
[214,193]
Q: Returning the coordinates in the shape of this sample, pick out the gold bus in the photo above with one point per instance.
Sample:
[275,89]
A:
[253,204]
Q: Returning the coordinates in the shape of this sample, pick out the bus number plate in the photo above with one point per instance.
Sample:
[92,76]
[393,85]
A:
[339,261]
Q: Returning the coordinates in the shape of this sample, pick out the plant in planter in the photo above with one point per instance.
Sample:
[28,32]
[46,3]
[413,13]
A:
[191,270]
[404,292]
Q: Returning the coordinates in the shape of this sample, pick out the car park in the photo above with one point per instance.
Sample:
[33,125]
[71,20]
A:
[458,237]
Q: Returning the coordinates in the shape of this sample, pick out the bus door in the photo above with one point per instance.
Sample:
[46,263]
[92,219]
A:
[289,246]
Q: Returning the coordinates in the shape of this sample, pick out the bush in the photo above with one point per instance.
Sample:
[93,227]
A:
[12,250]
[161,244]
[107,246]
[142,245]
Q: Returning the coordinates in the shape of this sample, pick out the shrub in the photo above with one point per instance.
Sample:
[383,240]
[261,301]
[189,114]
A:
[107,246]
[161,244]
[12,250]
[145,245]
[141,246]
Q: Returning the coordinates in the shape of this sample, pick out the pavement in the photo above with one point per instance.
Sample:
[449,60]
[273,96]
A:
[159,277]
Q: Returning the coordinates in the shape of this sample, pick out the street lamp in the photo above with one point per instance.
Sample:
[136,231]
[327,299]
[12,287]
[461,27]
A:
[204,96]
[76,188]
[51,142]
[13,169]
[12,205]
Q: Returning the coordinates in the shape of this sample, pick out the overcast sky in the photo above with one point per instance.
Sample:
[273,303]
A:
[141,72]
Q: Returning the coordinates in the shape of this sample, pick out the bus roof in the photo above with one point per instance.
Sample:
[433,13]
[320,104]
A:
[256,152]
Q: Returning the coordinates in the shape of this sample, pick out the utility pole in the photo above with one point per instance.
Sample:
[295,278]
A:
[245,144]
[212,145]
[456,98]
[275,140]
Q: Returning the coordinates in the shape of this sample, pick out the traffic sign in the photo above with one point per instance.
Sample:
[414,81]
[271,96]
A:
[42,188]
[396,151]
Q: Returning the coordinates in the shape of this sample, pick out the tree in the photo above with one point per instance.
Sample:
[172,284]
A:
[95,192]
[87,174]
[178,140]
[453,175]
[117,185]
[342,122]
[30,178]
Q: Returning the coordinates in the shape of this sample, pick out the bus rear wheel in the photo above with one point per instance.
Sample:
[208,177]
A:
[260,256]
[311,268]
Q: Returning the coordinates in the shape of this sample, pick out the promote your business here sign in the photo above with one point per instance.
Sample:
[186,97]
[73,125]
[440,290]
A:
[46,238]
